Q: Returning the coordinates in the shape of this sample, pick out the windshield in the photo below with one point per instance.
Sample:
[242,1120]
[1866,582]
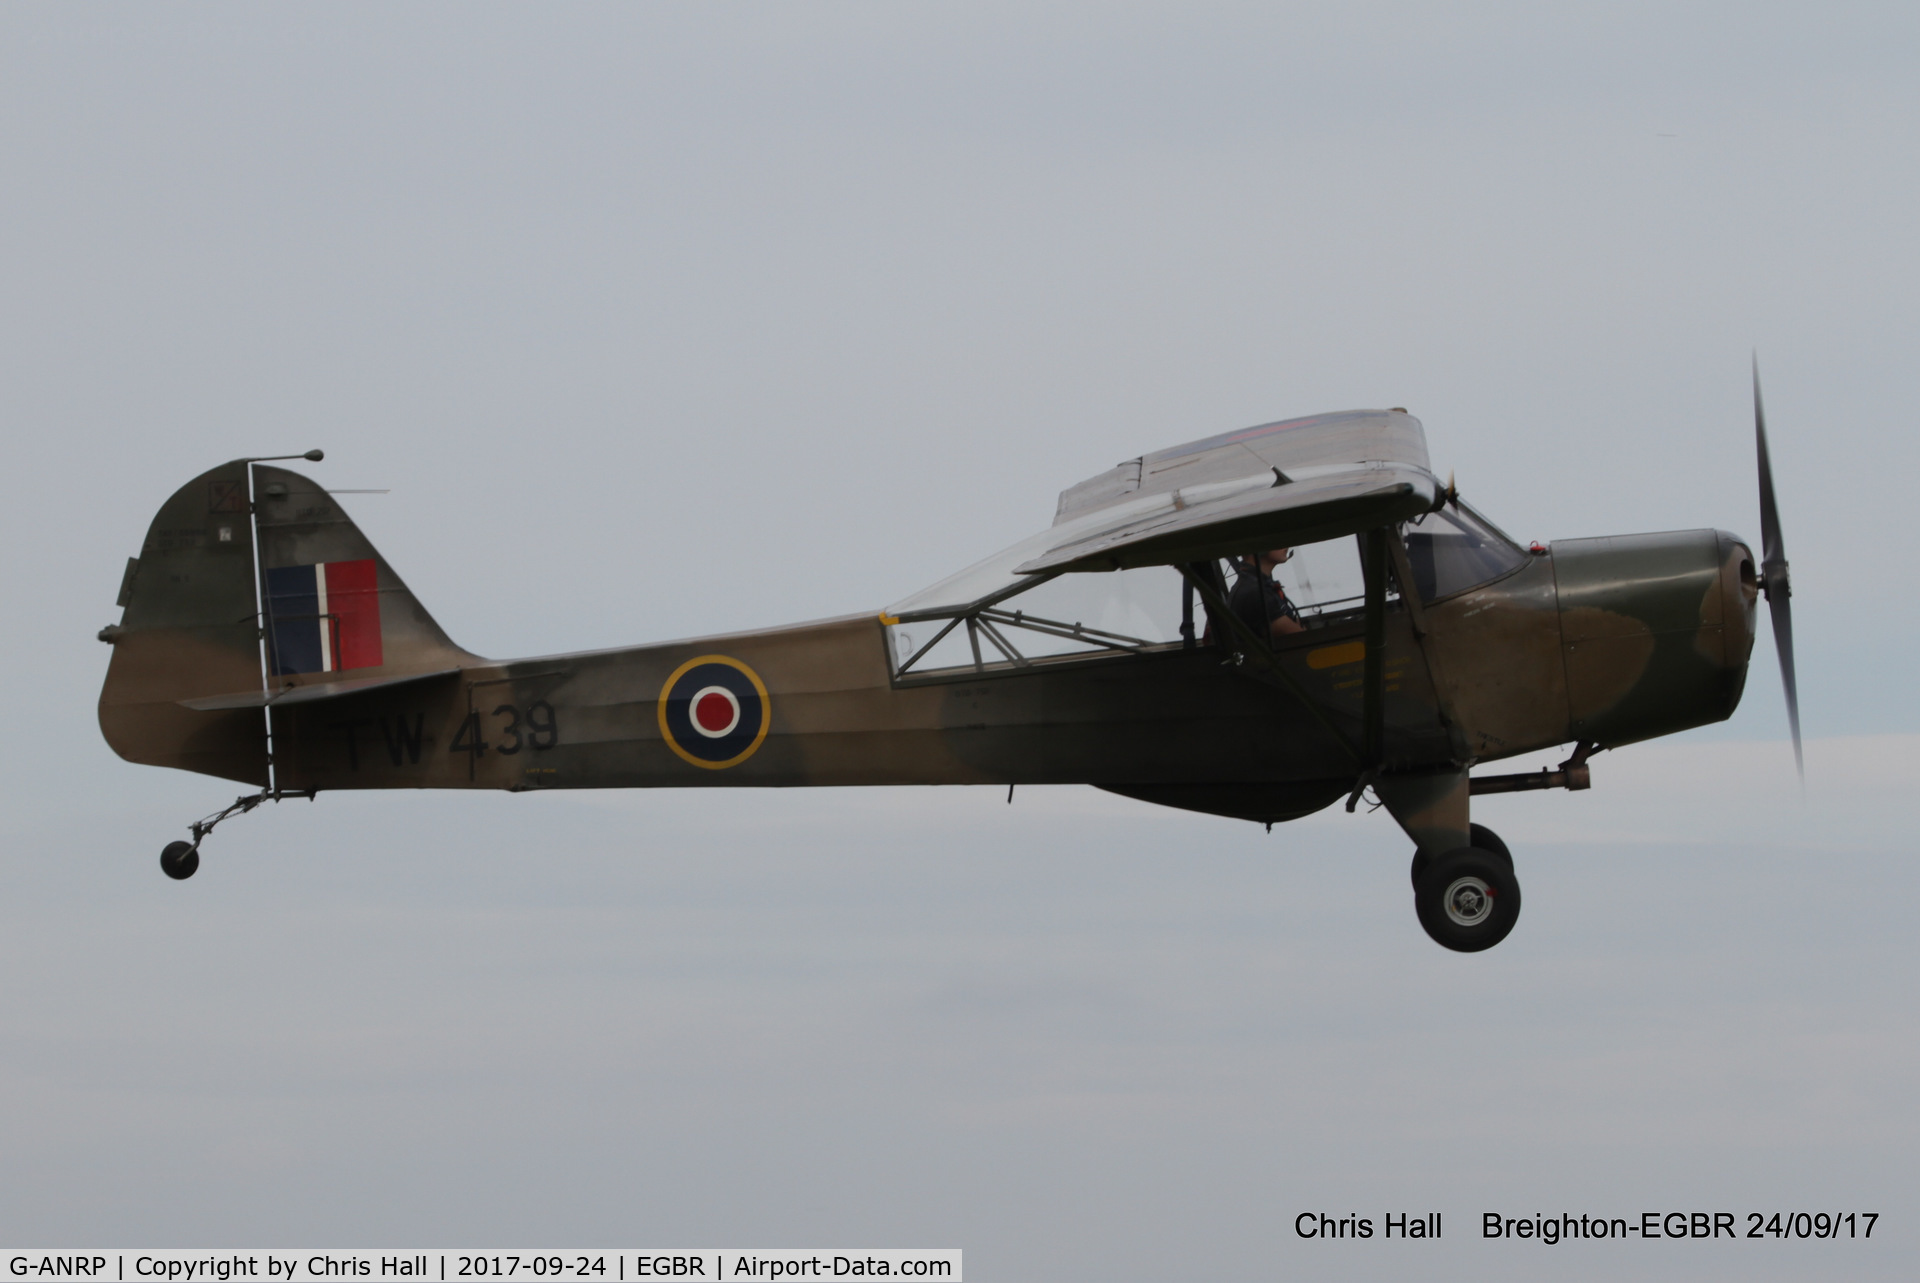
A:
[1455,549]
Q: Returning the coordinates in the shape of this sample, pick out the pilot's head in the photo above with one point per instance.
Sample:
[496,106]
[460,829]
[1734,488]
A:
[1266,561]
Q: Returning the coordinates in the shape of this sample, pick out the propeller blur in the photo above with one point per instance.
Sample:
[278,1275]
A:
[1773,573]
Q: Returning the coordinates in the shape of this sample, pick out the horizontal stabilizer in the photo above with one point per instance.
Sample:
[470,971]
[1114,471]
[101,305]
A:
[307,694]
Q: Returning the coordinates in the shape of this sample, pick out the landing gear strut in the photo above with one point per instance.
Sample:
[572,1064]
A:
[181,860]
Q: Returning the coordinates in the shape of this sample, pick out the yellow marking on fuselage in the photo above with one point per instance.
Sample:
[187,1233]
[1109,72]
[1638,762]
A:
[1334,656]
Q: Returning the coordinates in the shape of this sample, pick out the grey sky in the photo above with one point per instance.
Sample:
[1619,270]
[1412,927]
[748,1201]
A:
[667,321]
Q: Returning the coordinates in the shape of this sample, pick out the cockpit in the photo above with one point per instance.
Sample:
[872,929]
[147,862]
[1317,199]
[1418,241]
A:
[989,618]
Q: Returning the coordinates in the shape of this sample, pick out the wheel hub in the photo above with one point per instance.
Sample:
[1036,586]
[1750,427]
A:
[1469,901]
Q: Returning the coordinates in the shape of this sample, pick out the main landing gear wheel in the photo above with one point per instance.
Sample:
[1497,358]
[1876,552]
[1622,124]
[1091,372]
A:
[1478,835]
[1468,900]
[179,860]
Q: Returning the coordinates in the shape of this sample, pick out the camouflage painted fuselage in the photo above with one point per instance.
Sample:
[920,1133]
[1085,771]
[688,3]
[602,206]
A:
[1601,640]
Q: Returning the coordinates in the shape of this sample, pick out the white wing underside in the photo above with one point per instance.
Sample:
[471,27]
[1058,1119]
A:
[1279,484]
[1297,481]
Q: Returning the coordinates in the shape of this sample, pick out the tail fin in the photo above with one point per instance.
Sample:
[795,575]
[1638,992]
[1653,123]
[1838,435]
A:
[189,674]
[333,603]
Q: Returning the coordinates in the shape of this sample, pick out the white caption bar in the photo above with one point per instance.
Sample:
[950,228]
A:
[442,1265]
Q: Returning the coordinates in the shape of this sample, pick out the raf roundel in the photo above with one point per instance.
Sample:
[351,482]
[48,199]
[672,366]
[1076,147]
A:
[714,711]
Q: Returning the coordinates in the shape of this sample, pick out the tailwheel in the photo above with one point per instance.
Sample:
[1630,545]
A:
[1468,899]
[179,860]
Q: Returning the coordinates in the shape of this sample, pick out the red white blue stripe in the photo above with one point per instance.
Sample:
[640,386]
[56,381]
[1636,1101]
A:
[324,618]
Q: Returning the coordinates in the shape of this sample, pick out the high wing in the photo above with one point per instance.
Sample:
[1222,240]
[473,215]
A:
[1294,482]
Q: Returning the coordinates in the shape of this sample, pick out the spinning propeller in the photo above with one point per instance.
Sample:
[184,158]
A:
[1773,574]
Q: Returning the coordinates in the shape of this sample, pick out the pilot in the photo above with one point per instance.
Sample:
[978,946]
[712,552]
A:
[1259,602]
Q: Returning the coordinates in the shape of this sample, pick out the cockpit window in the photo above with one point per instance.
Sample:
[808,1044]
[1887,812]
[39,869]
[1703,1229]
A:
[1455,549]
[1052,617]
[1126,611]
[1324,579]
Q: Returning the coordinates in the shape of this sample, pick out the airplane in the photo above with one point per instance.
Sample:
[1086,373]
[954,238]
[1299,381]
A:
[1401,640]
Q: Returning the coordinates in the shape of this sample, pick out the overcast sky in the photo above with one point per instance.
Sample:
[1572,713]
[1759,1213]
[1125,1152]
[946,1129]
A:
[665,321]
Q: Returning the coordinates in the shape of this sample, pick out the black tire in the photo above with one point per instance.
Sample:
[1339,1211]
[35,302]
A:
[1481,836]
[1468,900]
[179,860]
[1487,840]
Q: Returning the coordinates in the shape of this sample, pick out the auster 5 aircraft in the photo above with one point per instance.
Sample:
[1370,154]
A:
[264,640]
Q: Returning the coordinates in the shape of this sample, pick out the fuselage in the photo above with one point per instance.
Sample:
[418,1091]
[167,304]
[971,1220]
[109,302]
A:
[1605,640]
[1484,651]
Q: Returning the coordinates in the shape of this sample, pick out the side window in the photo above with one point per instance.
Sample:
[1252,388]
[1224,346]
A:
[1078,614]
[1123,612]
[1323,582]
[1324,579]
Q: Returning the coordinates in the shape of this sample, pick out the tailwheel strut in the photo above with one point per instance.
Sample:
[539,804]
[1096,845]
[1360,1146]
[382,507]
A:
[181,860]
